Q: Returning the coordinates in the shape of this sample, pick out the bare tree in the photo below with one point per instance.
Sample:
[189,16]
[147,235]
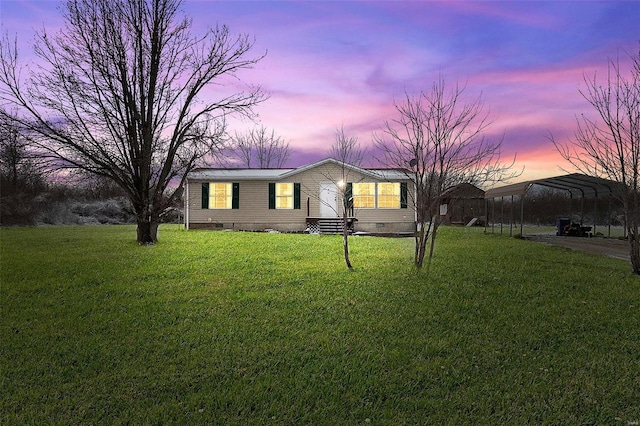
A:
[260,148]
[118,93]
[19,169]
[438,139]
[608,146]
[348,152]
[22,175]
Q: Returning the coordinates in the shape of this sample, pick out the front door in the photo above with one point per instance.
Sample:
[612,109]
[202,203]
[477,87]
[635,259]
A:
[328,199]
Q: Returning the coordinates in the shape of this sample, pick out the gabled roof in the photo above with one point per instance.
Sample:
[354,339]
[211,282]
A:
[463,190]
[576,183]
[237,174]
[278,174]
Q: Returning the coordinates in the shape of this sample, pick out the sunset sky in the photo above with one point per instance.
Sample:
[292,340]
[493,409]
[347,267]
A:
[338,63]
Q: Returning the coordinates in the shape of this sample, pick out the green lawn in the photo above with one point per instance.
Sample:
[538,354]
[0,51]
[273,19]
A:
[255,328]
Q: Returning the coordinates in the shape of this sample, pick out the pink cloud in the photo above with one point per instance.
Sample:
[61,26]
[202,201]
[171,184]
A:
[335,63]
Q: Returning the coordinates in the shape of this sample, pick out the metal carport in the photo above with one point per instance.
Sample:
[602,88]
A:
[584,186]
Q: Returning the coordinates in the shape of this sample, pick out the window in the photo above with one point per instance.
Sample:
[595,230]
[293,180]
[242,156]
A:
[284,195]
[389,195]
[364,195]
[220,195]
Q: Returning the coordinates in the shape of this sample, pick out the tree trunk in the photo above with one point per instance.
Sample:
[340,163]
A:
[345,241]
[147,230]
[632,220]
[634,241]
[436,224]
[346,251]
[432,244]
[421,246]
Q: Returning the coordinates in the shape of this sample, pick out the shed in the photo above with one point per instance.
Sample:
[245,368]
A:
[465,202]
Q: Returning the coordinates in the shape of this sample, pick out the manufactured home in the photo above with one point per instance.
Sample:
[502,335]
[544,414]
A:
[310,199]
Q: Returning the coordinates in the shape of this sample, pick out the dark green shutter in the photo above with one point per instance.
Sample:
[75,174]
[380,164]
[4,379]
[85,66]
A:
[205,195]
[348,195]
[296,196]
[403,195]
[235,198]
[272,195]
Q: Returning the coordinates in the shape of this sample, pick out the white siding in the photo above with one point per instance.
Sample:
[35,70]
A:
[254,212]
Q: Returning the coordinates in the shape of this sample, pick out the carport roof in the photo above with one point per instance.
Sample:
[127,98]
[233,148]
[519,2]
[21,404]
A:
[576,183]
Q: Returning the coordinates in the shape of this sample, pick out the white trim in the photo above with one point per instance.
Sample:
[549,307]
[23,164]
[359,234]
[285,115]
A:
[186,204]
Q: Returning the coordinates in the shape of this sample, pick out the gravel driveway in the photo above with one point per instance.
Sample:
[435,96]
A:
[611,247]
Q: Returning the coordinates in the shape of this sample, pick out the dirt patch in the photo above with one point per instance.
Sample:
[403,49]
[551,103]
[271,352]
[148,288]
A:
[611,247]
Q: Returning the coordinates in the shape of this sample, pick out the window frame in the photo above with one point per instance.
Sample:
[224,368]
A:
[215,195]
[357,197]
[232,196]
[395,196]
[287,196]
[275,196]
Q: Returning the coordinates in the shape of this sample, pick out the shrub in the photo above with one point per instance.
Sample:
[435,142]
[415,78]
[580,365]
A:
[17,209]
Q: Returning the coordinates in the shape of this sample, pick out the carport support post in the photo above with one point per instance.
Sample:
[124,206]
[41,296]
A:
[486,218]
[511,218]
[521,215]
[609,215]
[501,213]
[493,215]
[570,207]
[595,215]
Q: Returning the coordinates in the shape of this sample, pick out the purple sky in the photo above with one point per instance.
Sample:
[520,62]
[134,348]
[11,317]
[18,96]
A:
[345,62]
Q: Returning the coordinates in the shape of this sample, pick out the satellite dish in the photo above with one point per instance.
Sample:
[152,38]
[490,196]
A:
[413,162]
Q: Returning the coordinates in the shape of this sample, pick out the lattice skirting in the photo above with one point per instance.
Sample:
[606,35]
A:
[313,227]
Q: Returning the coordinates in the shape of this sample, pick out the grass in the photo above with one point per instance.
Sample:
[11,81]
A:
[252,328]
